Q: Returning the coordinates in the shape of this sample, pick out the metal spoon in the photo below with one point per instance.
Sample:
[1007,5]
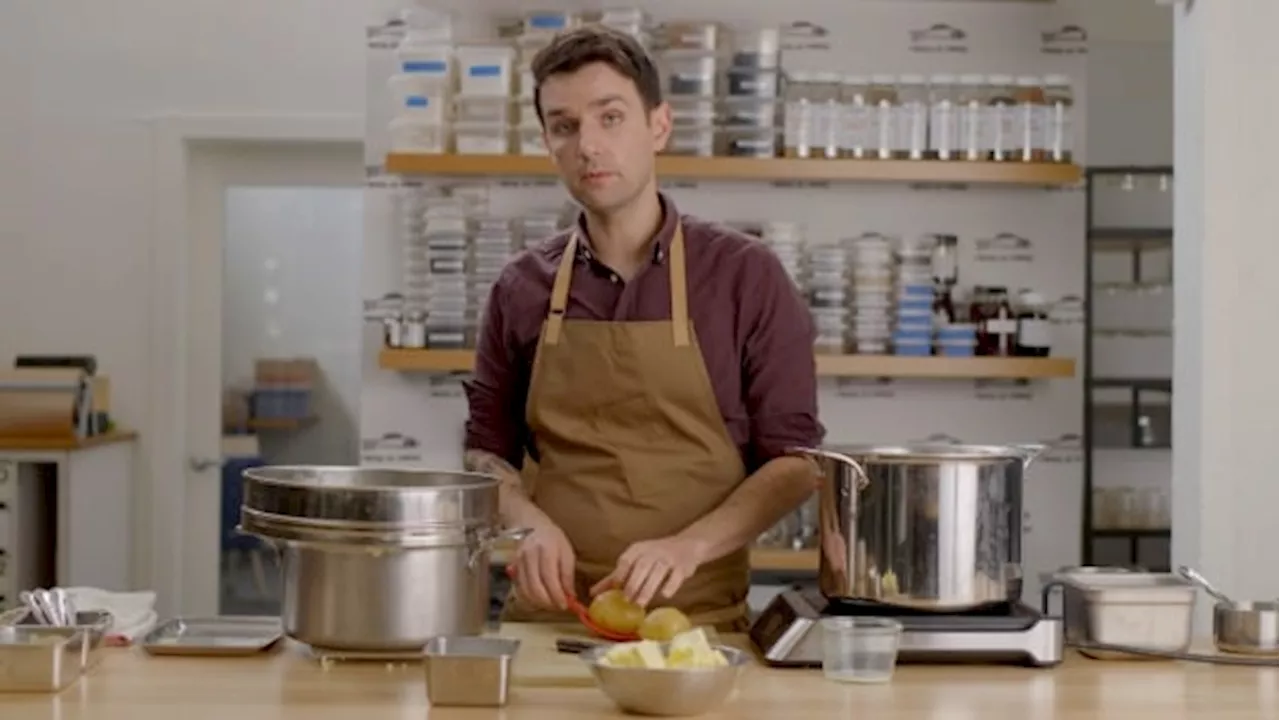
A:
[65,606]
[49,607]
[29,599]
[1204,583]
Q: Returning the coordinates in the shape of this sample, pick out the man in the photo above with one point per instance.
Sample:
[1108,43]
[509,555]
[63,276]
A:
[656,367]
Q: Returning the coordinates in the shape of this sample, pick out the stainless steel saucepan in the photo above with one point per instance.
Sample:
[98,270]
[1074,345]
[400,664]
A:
[934,526]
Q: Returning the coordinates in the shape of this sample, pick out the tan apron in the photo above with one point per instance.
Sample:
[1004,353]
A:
[631,446]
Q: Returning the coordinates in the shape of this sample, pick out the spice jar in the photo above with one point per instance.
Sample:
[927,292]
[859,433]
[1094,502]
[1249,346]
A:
[991,313]
[1028,124]
[1034,334]
[1001,140]
[912,129]
[971,101]
[826,115]
[855,118]
[797,122]
[1058,106]
[943,118]
[882,96]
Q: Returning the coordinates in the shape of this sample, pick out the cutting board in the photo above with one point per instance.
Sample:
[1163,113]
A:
[538,664]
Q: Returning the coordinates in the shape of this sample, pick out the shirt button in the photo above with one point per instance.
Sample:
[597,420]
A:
[613,277]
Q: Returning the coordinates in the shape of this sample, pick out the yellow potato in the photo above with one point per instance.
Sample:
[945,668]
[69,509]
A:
[663,624]
[613,611]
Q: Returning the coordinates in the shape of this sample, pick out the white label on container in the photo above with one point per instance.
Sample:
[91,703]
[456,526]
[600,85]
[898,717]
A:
[1005,326]
[1035,333]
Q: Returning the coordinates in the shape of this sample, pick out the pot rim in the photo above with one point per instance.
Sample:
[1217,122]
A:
[931,452]
[304,476]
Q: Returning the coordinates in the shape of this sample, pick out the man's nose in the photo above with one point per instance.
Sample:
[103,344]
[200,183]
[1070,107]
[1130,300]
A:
[590,140]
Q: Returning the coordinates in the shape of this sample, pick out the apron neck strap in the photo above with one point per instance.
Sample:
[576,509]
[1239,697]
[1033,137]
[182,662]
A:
[679,290]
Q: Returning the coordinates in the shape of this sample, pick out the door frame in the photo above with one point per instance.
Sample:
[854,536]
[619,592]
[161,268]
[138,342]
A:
[158,539]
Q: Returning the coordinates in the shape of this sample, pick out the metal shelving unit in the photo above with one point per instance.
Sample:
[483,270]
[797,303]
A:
[1135,239]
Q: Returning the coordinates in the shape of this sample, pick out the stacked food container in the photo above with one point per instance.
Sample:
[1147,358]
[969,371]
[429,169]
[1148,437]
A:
[913,333]
[787,240]
[536,227]
[751,109]
[483,116]
[422,88]
[872,305]
[689,59]
[827,280]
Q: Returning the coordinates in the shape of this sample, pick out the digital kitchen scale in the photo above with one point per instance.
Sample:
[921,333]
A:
[788,633]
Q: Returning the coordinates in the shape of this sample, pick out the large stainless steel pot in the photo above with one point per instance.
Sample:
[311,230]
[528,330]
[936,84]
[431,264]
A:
[933,526]
[377,560]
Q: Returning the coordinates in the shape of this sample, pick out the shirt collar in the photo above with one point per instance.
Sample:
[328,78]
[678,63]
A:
[662,241]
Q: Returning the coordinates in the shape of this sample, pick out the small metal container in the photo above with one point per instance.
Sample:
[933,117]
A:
[1143,611]
[1245,628]
[41,658]
[469,671]
[667,692]
[94,623]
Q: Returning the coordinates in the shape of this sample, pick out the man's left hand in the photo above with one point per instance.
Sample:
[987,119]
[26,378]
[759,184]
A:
[650,567]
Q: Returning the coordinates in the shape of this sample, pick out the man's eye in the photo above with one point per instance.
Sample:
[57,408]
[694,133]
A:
[562,128]
[612,118]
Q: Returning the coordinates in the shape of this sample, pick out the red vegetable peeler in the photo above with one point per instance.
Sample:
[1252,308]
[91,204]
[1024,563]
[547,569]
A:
[577,608]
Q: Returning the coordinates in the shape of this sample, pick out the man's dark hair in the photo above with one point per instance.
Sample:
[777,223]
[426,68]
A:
[574,49]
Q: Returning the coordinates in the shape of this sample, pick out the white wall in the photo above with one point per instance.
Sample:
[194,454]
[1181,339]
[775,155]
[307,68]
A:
[85,77]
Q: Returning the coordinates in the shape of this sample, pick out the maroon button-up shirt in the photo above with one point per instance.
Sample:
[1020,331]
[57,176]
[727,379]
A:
[754,330]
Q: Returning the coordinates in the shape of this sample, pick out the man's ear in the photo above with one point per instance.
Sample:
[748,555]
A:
[660,125]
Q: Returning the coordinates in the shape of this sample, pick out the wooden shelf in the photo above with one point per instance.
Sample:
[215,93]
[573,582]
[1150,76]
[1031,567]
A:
[759,169]
[762,559]
[875,366]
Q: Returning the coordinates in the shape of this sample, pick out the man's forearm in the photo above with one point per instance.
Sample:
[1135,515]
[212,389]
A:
[763,499]
[514,505]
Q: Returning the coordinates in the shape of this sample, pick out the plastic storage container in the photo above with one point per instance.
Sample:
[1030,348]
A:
[416,135]
[485,69]
[481,138]
[412,95]
[751,82]
[528,141]
[859,649]
[759,49]
[432,63]
[689,74]
[693,111]
[697,36]
[699,141]
[751,112]
[750,142]
[482,109]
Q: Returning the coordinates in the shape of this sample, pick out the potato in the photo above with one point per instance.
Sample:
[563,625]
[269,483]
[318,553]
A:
[663,624]
[612,610]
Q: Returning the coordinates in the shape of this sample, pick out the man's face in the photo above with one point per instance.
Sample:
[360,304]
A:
[600,136]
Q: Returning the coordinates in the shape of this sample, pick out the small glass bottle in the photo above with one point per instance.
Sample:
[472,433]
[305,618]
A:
[1058,106]
[826,116]
[1028,123]
[1001,140]
[882,97]
[797,118]
[971,125]
[943,118]
[855,118]
[912,127]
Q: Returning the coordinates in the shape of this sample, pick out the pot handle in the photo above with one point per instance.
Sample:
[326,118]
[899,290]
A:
[1030,453]
[819,453]
[487,541]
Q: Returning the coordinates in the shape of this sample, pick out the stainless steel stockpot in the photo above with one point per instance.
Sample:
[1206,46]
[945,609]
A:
[377,560]
[933,526]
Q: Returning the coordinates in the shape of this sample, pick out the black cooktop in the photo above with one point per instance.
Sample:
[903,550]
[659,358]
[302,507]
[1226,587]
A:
[989,617]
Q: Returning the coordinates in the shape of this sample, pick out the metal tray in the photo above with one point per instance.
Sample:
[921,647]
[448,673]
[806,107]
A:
[224,635]
[41,658]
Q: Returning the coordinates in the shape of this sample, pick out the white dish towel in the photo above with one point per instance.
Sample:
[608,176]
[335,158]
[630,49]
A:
[132,613]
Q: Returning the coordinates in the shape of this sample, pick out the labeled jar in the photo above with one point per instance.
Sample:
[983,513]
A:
[1059,103]
[1034,335]
[1028,123]
[971,123]
[882,97]
[997,328]
[810,116]
[911,129]
[943,118]
[797,106]
[853,118]
[1000,127]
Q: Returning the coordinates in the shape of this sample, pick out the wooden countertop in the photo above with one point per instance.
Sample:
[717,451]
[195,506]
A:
[63,444]
[289,684]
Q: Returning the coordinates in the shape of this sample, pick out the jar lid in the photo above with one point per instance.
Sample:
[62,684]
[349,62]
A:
[1057,80]
[800,76]
[826,77]
[911,79]
[942,80]
[971,79]
[882,79]
[1028,81]
[854,79]
[1000,79]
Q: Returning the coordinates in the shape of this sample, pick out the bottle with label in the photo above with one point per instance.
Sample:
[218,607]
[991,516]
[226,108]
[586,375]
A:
[1001,140]
[911,129]
[992,314]
[1035,331]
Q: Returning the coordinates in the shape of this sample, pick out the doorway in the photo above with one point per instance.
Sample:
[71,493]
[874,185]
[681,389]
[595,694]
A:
[272,352]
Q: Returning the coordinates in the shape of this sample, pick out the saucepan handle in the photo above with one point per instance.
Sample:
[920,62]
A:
[1030,452]
[819,453]
[488,540]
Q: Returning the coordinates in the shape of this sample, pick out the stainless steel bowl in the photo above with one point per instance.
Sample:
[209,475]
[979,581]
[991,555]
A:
[1246,628]
[667,692]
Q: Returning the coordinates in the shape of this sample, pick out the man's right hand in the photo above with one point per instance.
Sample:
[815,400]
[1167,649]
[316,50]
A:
[544,568]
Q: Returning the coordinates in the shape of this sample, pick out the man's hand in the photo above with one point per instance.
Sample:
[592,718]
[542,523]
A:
[544,568]
[651,567]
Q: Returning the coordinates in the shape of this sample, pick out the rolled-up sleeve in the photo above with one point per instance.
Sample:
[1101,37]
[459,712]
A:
[780,382]
[497,390]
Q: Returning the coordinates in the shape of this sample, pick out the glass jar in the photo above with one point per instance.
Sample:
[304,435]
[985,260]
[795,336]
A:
[797,108]
[1028,123]
[826,115]
[912,128]
[1035,331]
[1001,138]
[882,97]
[991,313]
[1058,105]
[943,118]
[855,120]
[971,99]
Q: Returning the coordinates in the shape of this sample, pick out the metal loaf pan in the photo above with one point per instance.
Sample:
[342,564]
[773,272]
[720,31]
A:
[1139,610]
[469,671]
[94,623]
[39,658]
